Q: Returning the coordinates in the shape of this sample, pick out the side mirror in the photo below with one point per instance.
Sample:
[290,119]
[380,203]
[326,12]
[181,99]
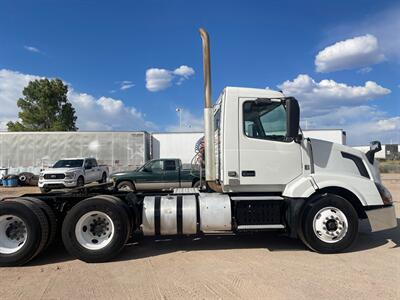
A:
[88,167]
[374,146]
[292,118]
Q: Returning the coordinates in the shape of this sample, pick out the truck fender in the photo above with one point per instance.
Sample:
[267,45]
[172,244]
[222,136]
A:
[363,188]
[302,187]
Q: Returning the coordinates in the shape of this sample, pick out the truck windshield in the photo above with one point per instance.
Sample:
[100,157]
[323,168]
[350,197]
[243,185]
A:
[69,163]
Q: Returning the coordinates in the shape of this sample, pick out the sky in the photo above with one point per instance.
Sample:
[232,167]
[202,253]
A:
[130,64]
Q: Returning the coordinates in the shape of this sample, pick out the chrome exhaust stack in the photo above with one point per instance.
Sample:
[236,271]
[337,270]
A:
[209,139]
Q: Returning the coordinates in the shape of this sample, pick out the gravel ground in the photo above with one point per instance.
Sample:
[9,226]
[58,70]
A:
[215,267]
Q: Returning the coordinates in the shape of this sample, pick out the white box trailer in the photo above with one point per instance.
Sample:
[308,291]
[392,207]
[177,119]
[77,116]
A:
[32,151]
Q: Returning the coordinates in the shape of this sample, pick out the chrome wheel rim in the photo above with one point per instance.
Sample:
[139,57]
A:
[94,230]
[126,188]
[13,234]
[330,224]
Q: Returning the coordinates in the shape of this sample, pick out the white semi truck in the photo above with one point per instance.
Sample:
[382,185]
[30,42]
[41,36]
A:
[261,174]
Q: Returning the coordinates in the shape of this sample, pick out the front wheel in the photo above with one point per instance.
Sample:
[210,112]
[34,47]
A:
[126,186]
[329,224]
[45,190]
[80,182]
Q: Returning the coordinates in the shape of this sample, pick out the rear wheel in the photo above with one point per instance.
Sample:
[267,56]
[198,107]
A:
[329,224]
[103,178]
[126,186]
[23,232]
[50,216]
[96,229]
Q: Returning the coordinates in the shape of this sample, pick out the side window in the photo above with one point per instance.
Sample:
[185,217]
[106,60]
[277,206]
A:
[157,166]
[93,162]
[87,164]
[265,120]
[217,119]
[169,165]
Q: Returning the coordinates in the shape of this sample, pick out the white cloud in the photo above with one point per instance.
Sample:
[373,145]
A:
[328,104]
[364,70]
[126,84]
[93,113]
[389,124]
[161,79]
[190,122]
[32,49]
[352,53]
[320,96]
[184,71]
[158,79]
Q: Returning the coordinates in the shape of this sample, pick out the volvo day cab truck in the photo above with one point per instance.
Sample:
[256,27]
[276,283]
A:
[261,174]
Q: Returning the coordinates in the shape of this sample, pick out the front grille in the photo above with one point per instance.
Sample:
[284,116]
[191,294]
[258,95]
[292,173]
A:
[54,176]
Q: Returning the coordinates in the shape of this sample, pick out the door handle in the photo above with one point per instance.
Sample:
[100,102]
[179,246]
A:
[232,173]
[249,173]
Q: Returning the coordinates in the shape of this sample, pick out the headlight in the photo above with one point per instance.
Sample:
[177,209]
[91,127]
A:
[385,194]
[41,175]
[70,175]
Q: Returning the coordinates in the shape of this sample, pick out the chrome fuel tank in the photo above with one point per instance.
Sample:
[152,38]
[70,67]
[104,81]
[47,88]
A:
[170,215]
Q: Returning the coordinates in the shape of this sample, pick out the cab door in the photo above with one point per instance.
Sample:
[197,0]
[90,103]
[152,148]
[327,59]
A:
[89,171]
[268,160]
[151,176]
[171,174]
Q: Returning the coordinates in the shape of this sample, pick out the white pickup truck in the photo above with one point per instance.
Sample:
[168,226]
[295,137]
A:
[72,172]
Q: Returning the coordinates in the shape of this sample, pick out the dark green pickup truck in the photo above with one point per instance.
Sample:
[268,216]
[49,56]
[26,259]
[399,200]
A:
[156,175]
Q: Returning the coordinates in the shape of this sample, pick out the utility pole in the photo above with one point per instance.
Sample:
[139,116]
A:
[179,110]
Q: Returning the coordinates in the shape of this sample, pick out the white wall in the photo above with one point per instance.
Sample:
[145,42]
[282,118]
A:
[332,135]
[381,154]
[175,145]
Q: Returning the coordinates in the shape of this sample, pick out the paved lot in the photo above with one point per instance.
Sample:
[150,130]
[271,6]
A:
[252,267]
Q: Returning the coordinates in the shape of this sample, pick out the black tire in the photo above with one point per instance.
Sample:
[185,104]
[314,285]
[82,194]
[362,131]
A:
[37,228]
[311,211]
[124,206]
[196,184]
[103,178]
[24,178]
[126,186]
[80,182]
[119,218]
[44,190]
[51,218]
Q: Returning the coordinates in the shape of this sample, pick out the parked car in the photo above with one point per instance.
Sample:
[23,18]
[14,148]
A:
[158,174]
[72,172]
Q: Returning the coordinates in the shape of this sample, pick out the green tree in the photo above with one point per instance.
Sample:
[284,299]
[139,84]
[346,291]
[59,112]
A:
[45,107]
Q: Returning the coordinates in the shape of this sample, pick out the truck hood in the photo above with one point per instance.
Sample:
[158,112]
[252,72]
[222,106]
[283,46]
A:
[60,170]
[124,173]
[340,159]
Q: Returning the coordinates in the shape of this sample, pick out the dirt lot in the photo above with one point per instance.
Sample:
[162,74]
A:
[260,266]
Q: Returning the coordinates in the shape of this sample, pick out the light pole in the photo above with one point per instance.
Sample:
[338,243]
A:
[179,110]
